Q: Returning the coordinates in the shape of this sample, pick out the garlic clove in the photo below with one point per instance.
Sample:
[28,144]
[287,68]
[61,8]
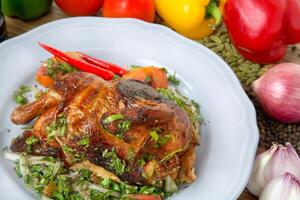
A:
[285,187]
[257,179]
[287,158]
[273,163]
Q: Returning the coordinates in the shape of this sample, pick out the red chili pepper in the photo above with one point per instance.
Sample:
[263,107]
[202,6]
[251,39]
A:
[261,30]
[86,67]
[103,64]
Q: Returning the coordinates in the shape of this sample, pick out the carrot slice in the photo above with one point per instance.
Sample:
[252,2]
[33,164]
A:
[154,75]
[42,77]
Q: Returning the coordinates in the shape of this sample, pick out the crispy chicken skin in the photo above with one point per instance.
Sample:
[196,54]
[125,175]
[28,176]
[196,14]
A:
[87,100]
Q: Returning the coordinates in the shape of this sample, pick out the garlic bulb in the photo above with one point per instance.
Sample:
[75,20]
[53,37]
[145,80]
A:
[273,163]
[285,187]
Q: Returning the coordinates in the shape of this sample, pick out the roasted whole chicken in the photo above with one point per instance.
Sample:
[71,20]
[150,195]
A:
[122,127]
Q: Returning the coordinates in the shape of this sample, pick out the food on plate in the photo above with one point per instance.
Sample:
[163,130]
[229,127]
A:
[25,9]
[80,7]
[140,9]
[90,138]
[192,18]
[262,30]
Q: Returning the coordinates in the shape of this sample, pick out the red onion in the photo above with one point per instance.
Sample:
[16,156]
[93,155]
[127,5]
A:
[278,91]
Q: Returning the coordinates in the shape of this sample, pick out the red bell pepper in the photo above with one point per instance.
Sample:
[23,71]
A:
[261,30]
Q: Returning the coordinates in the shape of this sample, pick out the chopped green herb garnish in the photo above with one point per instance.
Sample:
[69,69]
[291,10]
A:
[141,162]
[66,68]
[53,68]
[162,140]
[123,127]
[173,80]
[190,106]
[130,154]
[169,94]
[17,170]
[85,174]
[79,157]
[112,118]
[84,142]
[96,195]
[64,188]
[58,128]
[19,95]
[67,149]
[159,140]
[49,159]
[31,140]
[115,162]
[50,68]
[106,182]
[196,105]
[154,135]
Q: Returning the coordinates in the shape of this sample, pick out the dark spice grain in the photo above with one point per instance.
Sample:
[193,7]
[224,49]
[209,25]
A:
[271,131]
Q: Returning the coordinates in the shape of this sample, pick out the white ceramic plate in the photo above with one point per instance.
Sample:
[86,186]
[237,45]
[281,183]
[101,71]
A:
[229,136]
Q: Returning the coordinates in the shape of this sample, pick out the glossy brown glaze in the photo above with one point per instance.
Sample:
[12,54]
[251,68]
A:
[87,100]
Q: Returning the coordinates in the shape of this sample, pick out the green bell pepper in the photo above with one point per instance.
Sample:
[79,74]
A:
[25,9]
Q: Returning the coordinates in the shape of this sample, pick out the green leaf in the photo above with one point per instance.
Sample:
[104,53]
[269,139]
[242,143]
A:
[84,142]
[173,80]
[112,118]
[154,135]
[31,140]
[19,95]
[57,128]
[114,161]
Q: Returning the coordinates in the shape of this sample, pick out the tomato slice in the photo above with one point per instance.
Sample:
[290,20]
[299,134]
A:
[42,77]
[154,75]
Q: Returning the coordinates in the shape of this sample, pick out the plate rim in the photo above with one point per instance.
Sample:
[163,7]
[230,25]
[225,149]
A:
[235,84]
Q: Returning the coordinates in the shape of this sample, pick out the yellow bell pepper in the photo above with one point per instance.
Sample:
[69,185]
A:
[194,19]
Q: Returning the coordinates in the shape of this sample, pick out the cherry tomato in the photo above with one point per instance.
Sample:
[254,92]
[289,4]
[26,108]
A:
[80,7]
[140,9]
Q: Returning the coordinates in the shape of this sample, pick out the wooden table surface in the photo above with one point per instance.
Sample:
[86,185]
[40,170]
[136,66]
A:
[16,27]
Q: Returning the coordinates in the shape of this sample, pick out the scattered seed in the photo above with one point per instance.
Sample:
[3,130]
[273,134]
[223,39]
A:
[270,130]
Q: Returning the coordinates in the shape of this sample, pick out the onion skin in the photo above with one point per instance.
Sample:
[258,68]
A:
[278,91]
[285,187]
[273,163]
